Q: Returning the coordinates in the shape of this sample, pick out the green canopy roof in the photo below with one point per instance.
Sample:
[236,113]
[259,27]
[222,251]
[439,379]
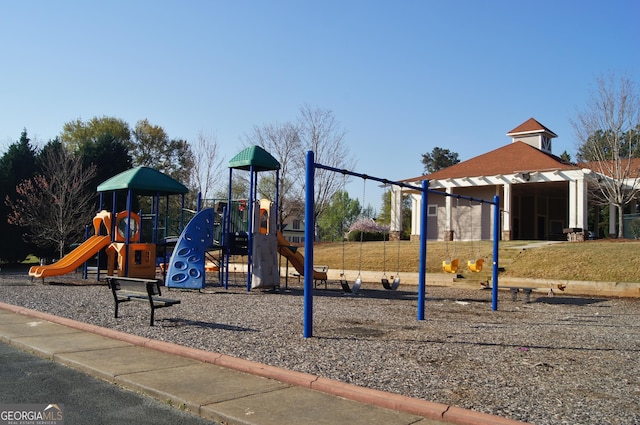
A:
[256,156]
[143,181]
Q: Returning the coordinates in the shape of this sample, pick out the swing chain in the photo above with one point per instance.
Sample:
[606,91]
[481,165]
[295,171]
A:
[364,186]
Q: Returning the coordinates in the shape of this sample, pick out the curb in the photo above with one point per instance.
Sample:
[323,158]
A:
[427,409]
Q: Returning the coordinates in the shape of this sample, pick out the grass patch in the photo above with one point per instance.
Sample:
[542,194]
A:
[601,260]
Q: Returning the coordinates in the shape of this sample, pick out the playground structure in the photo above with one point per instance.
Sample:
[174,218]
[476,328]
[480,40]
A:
[133,241]
[88,249]
[225,233]
[120,235]
[311,167]
[138,259]
[210,230]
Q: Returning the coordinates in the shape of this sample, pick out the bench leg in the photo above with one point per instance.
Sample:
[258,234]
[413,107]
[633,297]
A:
[153,310]
[527,295]
[514,294]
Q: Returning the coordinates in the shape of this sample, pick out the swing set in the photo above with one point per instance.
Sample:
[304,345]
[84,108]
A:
[309,235]
[474,265]
[452,264]
[358,282]
[343,279]
[385,281]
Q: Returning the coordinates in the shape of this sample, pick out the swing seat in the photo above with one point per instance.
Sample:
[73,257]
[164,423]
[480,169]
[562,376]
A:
[351,290]
[450,266]
[391,286]
[475,265]
[345,286]
[356,285]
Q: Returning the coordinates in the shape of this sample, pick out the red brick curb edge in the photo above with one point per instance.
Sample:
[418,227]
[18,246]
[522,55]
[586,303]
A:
[424,408]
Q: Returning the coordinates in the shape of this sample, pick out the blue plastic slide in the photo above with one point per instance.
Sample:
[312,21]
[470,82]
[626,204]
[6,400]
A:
[186,267]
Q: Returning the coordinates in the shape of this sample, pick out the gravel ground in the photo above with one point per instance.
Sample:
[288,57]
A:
[554,360]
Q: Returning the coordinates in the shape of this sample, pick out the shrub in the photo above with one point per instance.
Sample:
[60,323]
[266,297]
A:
[354,236]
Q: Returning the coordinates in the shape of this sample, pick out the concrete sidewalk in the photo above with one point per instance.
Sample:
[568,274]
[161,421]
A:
[215,386]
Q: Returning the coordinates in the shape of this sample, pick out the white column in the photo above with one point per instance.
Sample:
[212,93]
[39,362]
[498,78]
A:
[578,217]
[506,205]
[613,220]
[583,210]
[447,210]
[416,213]
[396,209]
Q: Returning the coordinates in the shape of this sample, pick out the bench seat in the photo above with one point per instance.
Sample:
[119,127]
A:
[125,289]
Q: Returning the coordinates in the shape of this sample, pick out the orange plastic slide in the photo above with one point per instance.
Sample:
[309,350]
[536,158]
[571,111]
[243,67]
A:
[72,260]
[296,259]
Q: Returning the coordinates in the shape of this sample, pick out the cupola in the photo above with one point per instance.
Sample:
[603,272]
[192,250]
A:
[533,133]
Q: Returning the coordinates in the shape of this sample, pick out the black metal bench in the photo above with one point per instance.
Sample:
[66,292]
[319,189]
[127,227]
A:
[125,289]
[515,290]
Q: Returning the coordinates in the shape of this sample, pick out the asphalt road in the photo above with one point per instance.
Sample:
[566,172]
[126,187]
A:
[26,378]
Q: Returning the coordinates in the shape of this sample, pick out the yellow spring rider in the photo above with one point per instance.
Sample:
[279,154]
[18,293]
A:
[451,265]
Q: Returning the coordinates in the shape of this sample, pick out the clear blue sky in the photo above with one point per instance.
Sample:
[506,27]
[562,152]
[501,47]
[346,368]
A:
[402,77]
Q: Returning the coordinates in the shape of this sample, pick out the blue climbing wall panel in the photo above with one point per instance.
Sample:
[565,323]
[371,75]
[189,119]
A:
[186,267]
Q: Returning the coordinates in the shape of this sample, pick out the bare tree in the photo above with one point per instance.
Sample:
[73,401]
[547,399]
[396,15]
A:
[322,134]
[316,130]
[207,172]
[606,132]
[55,205]
[282,141]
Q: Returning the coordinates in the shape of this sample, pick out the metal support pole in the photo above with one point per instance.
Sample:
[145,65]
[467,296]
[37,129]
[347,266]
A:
[226,232]
[308,246]
[496,241]
[85,267]
[127,238]
[422,290]
[253,182]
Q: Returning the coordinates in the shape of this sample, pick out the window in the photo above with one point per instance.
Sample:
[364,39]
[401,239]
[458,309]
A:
[432,210]
[546,144]
[296,224]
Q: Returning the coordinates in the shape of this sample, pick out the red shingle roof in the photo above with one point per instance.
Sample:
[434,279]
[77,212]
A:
[512,158]
[530,126]
[606,167]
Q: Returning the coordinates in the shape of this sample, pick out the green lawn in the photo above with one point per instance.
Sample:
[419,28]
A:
[602,260]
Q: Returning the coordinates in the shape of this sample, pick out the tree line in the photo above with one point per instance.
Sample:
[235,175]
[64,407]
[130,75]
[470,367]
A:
[48,193]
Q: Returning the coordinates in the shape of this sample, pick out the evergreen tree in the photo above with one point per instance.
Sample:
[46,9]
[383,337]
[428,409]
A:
[16,165]
[438,159]
[110,157]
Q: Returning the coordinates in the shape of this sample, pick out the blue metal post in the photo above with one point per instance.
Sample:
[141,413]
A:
[156,218]
[253,182]
[422,290]
[85,267]
[100,208]
[166,217]
[277,203]
[114,212]
[182,203]
[496,241]
[127,238]
[308,246]
[226,232]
